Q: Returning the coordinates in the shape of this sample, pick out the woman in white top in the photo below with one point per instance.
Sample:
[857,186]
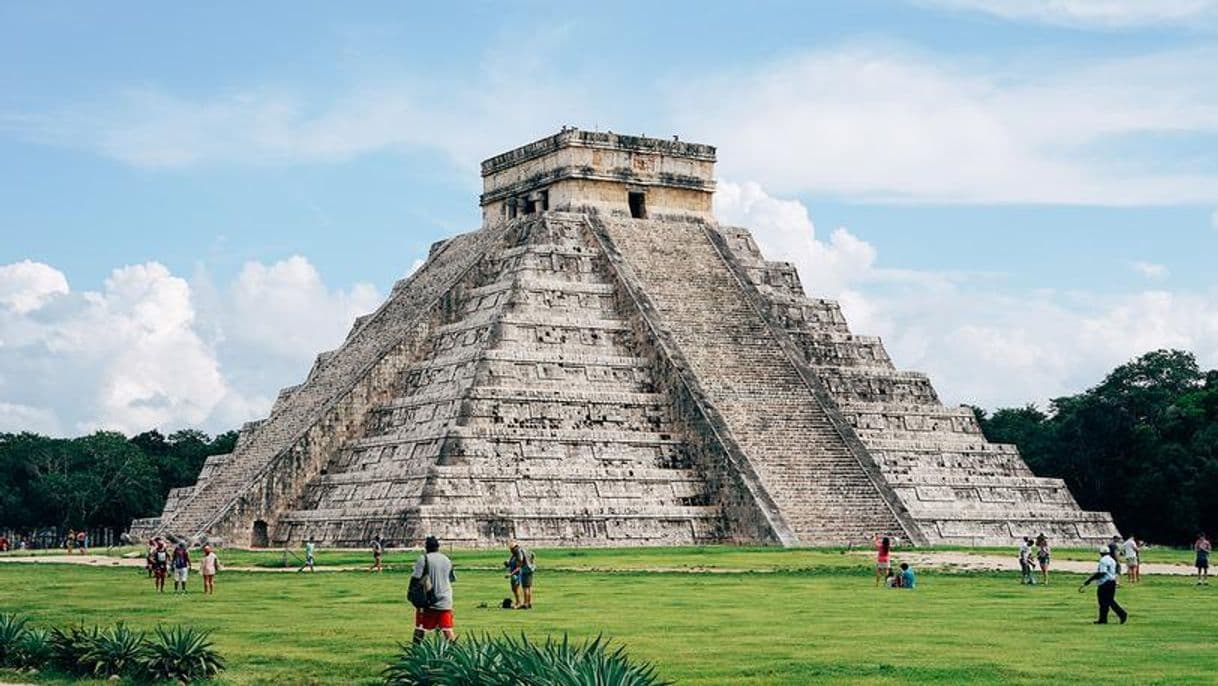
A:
[1131,553]
[211,565]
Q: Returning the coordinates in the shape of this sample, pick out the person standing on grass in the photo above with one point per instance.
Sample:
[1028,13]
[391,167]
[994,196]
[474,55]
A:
[308,556]
[1202,548]
[438,614]
[378,550]
[1105,594]
[209,567]
[160,565]
[522,568]
[1114,549]
[1131,552]
[1043,557]
[82,542]
[69,541]
[883,564]
[181,567]
[1025,562]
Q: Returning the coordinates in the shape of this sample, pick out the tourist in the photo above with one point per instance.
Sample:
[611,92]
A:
[308,556]
[180,563]
[209,567]
[82,542]
[883,548]
[1114,549]
[907,576]
[378,549]
[522,566]
[439,613]
[1025,562]
[1131,551]
[149,557]
[1202,548]
[1043,557]
[70,541]
[1105,594]
[3,544]
[160,565]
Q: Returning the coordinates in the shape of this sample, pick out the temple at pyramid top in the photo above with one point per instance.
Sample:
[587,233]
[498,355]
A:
[577,170]
[603,363]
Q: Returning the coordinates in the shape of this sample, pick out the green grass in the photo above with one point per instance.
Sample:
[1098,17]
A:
[817,620]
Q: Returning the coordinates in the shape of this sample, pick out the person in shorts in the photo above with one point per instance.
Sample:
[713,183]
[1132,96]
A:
[378,551]
[883,563]
[438,615]
[1044,557]
[160,565]
[522,570]
[181,567]
[208,568]
[1130,550]
[1202,548]
[82,542]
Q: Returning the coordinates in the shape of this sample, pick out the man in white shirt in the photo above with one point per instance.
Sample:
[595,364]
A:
[1105,593]
[1025,562]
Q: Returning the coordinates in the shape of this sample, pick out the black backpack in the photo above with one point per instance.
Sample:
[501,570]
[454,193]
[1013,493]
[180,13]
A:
[420,592]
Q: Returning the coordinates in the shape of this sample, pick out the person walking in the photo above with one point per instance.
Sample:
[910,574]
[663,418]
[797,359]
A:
[1202,548]
[181,567]
[378,550]
[883,563]
[308,556]
[82,542]
[1130,551]
[1043,557]
[1025,562]
[522,565]
[1105,594]
[208,568]
[435,570]
[69,541]
[160,565]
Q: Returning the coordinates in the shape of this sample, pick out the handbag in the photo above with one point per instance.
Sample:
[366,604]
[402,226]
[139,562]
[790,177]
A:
[420,592]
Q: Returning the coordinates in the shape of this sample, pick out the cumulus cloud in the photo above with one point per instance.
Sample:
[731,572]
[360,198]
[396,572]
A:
[149,350]
[979,345]
[1093,13]
[1149,270]
[892,124]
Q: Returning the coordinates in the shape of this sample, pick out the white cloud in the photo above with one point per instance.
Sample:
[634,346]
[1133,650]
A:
[890,124]
[1097,13]
[1149,270]
[978,344]
[149,350]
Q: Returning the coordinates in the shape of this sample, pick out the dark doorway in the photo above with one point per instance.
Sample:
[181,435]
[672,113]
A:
[261,537]
[638,205]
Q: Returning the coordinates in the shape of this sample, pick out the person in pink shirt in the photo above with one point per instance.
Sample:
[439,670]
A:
[883,546]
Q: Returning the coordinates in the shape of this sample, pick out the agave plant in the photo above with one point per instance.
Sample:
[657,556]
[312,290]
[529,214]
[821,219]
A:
[68,647]
[35,647]
[12,632]
[180,653]
[114,652]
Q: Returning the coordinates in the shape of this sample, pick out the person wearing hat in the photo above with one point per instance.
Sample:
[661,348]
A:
[1105,593]
[520,570]
[439,613]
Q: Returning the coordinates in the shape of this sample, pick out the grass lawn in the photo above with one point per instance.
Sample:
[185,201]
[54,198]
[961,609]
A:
[816,620]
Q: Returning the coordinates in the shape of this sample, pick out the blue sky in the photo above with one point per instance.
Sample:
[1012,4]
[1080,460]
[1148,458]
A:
[195,200]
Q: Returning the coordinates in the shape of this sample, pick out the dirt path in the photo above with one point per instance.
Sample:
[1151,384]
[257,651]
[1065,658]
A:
[920,560]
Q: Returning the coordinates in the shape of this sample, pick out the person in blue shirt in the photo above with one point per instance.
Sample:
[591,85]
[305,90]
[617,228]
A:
[1105,594]
[908,580]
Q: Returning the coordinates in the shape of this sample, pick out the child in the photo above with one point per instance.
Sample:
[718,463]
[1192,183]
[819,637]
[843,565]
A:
[908,580]
[211,565]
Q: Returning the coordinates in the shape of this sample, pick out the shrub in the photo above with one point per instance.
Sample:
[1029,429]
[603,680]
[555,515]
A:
[505,661]
[68,647]
[116,651]
[180,653]
[35,648]
[12,632]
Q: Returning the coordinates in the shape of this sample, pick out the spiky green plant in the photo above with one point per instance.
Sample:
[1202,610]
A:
[35,647]
[69,646]
[507,661]
[12,632]
[180,653]
[115,651]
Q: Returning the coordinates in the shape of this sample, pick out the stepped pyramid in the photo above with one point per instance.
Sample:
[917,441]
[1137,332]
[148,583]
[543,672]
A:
[602,363]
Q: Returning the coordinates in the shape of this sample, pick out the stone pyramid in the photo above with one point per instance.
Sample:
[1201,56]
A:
[604,364]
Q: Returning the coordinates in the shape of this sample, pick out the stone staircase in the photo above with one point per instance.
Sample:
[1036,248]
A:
[804,462]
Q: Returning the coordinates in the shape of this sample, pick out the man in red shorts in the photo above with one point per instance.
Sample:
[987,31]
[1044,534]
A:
[439,614]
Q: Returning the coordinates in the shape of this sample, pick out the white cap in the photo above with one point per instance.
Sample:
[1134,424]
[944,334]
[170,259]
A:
[1104,550]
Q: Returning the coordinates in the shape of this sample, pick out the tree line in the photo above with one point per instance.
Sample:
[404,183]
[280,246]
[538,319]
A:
[103,480]
[1142,444]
